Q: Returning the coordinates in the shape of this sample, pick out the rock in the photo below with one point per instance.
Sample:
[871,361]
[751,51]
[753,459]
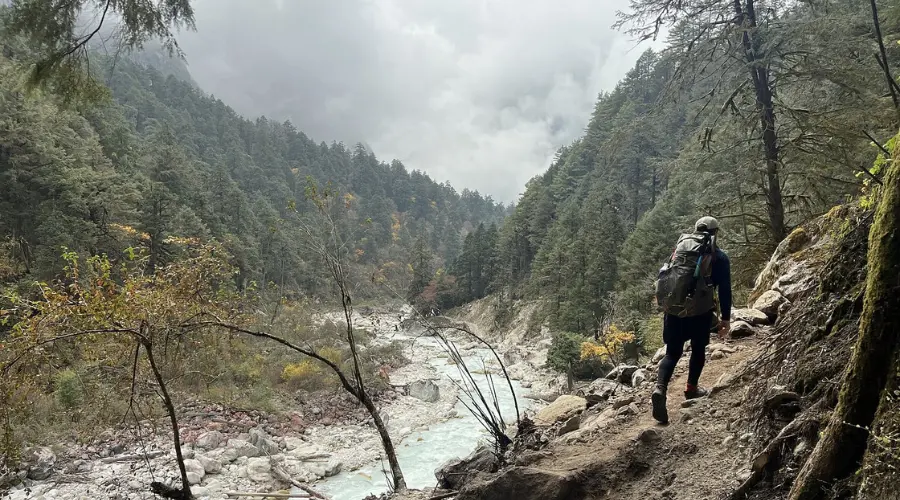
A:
[649,435]
[728,440]
[740,329]
[543,396]
[571,425]
[263,442]
[721,347]
[784,308]
[564,407]
[768,303]
[686,416]
[259,470]
[194,478]
[621,401]
[194,469]
[520,483]
[622,373]
[690,403]
[39,462]
[717,355]
[210,440]
[659,355]
[237,448]
[638,377]
[210,465]
[752,316]
[327,469]
[456,473]
[200,492]
[425,390]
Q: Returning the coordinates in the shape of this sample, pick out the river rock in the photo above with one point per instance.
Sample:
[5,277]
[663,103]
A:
[263,442]
[658,355]
[564,407]
[425,390]
[571,425]
[456,473]
[237,448]
[210,440]
[740,329]
[520,483]
[258,470]
[195,470]
[39,462]
[326,469]
[768,303]
[752,316]
[210,465]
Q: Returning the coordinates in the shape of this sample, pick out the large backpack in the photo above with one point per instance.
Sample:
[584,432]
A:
[684,286]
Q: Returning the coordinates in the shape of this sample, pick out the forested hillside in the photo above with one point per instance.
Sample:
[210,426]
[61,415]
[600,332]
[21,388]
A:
[163,160]
[763,134]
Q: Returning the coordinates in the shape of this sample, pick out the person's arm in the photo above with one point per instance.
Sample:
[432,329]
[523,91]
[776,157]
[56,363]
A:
[722,280]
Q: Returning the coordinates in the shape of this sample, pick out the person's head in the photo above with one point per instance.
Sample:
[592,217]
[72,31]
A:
[707,225]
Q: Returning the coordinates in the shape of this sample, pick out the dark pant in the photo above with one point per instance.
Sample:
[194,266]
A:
[677,331]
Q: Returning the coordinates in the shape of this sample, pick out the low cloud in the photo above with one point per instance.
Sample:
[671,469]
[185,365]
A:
[480,93]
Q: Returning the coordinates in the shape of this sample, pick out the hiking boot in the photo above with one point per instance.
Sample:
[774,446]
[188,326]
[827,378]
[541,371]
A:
[659,405]
[694,392]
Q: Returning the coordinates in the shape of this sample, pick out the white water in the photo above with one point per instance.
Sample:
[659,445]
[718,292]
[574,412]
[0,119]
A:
[423,451]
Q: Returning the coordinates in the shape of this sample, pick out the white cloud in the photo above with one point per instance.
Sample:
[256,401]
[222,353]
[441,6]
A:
[478,92]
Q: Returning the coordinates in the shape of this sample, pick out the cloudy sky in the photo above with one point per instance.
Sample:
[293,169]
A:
[477,92]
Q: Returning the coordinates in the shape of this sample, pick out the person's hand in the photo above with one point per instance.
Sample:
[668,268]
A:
[724,329]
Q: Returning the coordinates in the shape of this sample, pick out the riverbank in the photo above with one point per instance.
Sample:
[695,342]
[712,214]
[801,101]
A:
[323,437]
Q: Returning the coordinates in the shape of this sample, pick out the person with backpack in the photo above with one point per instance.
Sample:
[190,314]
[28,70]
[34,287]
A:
[685,291]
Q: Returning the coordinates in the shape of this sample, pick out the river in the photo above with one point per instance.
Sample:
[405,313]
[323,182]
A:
[424,450]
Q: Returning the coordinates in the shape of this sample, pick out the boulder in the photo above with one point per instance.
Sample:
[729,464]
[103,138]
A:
[658,355]
[210,440]
[210,465]
[563,408]
[425,390]
[752,316]
[263,442]
[768,303]
[259,470]
[39,462]
[195,470]
[326,469]
[638,377]
[237,448]
[740,329]
[455,473]
[520,483]
[622,373]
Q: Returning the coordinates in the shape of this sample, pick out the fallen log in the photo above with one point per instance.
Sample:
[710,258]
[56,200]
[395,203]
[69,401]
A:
[281,474]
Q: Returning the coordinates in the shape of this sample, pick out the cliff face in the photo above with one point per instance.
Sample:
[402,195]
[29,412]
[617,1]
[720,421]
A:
[773,391]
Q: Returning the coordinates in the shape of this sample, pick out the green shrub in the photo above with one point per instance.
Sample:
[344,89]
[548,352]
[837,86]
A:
[565,350]
[68,390]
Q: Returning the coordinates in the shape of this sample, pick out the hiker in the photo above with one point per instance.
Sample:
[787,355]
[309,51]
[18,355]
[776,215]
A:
[685,292]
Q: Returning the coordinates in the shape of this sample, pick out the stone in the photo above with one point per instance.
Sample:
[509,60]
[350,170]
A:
[263,442]
[326,469]
[259,470]
[721,347]
[741,329]
[200,492]
[638,377]
[237,448]
[210,440]
[39,462]
[622,373]
[621,401]
[563,408]
[717,355]
[542,396]
[194,466]
[752,316]
[649,435]
[658,355]
[425,390]
[210,465]
[784,308]
[768,303]
[457,472]
[194,478]
[686,416]
[571,425]
[521,483]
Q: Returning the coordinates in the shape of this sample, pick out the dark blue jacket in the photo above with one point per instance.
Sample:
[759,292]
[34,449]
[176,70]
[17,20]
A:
[721,278]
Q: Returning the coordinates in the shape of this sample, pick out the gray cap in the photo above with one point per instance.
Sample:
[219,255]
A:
[706,224]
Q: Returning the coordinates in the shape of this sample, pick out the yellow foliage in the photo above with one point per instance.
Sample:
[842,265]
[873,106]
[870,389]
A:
[298,371]
[608,346]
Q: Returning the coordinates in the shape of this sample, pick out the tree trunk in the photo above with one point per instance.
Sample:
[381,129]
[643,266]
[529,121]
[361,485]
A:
[762,85]
[170,409]
[386,442]
[843,444]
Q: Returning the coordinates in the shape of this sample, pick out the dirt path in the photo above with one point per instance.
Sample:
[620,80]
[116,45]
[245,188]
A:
[695,456]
